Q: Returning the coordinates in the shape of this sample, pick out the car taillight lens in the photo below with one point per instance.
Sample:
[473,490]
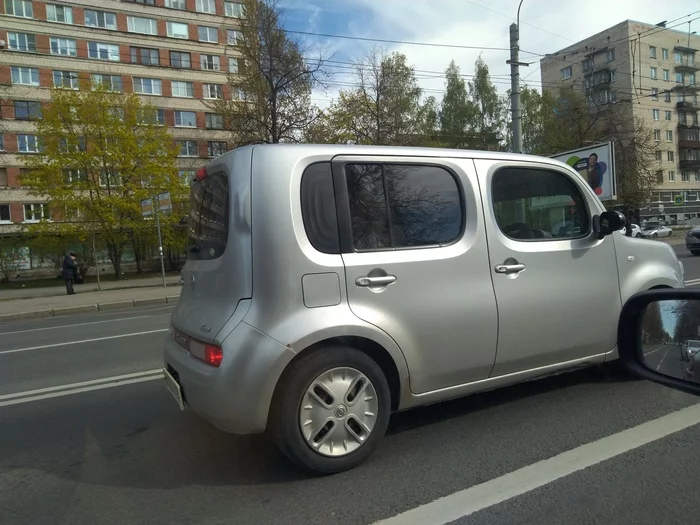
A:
[207,352]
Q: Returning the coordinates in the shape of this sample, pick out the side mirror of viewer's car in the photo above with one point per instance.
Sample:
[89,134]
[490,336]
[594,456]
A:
[659,338]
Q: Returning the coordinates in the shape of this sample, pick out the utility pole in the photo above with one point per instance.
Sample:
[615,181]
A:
[515,83]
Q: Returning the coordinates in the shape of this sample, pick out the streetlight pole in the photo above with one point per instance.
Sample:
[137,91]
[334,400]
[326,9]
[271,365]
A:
[515,83]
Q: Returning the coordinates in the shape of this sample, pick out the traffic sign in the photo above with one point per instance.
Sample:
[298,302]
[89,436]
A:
[678,200]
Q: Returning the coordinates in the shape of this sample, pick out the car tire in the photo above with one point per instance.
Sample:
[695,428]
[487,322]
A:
[638,235]
[655,235]
[294,395]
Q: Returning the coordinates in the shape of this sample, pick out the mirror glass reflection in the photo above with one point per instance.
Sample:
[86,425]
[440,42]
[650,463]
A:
[671,338]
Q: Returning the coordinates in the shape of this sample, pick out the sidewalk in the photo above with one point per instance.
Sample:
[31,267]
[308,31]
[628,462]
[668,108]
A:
[87,301]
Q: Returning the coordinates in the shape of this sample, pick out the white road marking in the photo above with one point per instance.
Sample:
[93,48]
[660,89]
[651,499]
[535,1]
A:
[662,360]
[72,325]
[692,282]
[468,501]
[67,343]
[654,351]
[76,388]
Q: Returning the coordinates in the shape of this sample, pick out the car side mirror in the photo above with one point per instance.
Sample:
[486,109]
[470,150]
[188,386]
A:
[608,222]
[659,338]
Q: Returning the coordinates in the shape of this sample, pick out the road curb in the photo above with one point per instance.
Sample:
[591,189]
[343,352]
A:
[87,308]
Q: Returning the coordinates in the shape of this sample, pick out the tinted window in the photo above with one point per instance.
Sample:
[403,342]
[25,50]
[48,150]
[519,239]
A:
[209,217]
[533,204]
[402,205]
[318,208]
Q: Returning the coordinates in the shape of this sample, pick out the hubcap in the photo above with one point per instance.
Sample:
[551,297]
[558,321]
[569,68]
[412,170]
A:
[338,411]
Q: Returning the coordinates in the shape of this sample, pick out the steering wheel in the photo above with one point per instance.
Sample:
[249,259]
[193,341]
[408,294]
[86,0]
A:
[519,228]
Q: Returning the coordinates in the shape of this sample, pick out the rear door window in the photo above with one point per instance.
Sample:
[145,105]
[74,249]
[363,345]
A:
[318,207]
[208,220]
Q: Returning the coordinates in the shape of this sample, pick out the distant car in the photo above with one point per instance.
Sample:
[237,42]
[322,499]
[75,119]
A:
[689,349]
[654,229]
[636,230]
[692,240]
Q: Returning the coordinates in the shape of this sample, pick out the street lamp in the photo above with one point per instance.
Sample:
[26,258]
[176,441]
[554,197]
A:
[515,82]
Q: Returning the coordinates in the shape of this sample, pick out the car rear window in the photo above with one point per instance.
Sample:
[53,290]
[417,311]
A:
[208,217]
[318,207]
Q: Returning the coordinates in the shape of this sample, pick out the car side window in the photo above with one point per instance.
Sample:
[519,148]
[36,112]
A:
[536,204]
[395,206]
[318,207]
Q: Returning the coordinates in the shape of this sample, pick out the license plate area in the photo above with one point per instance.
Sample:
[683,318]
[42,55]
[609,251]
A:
[174,388]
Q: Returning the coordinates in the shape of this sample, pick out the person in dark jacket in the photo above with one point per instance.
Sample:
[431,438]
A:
[70,270]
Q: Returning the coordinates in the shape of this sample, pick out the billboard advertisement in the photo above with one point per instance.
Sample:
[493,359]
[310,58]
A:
[596,164]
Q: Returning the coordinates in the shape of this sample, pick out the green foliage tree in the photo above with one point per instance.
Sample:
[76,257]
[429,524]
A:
[10,257]
[455,109]
[652,324]
[270,95]
[687,314]
[102,154]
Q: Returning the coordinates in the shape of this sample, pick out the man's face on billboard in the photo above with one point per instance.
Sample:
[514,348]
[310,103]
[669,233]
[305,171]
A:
[592,160]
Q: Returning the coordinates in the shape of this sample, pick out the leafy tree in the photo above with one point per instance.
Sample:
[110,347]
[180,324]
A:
[386,106]
[687,315]
[487,109]
[455,110]
[10,257]
[102,154]
[270,96]
[652,324]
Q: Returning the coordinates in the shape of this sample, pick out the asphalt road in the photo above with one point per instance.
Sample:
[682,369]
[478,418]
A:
[99,453]
[690,262]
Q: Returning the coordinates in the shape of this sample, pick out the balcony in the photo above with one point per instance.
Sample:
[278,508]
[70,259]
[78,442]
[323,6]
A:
[687,88]
[687,68]
[685,49]
[688,106]
[597,79]
[689,164]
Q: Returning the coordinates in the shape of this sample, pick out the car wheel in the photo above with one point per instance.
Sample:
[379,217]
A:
[330,409]
[655,235]
[638,235]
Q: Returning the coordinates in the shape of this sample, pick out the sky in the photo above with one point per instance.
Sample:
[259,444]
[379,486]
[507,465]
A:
[546,26]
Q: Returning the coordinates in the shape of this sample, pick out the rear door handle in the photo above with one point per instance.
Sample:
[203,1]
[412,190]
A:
[509,268]
[381,280]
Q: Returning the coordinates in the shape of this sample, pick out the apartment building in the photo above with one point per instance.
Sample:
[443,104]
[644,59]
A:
[654,73]
[176,54]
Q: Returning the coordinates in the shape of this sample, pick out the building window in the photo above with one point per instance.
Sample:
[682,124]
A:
[2,146]
[670,156]
[664,54]
[213,91]
[145,56]
[179,59]
[671,176]
[691,79]
[652,73]
[667,115]
[685,176]
[697,176]
[182,89]
[233,9]
[21,8]
[187,148]
[208,34]
[36,212]
[101,19]
[567,72]
[659,158]
[185,119]
[65,79]
[654,94]
[176,4]
[235,65]
[109,82]
[110,179]
[178,30]
[667,75]
[652,51]
[59,13]
[63,46]
[71,176]
[678,57]
[103,51]
[669,135]
[216,148]
[657,135]
[186,176]
[28,144]
[146,26]
[655,114]
[679,78]
[211,62]
[667,96]
[610,55]
[234,37]
[148,116]
[214,121]
[237,93]
[22,42]
[206,6]
[148,86]
[4,208]
[27,110]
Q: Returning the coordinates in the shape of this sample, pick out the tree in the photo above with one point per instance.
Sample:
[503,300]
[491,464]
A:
[11,252]
[652,324]
[386,106]
[487,110]
[687,314]
[102,154]
[454,109]
[270,95]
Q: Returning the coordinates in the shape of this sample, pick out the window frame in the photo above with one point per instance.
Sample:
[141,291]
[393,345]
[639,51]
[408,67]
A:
[178,112]
[132,20]
[170,34]
[200,4]
[70,45]
[28,103]
[105,15]
[29,42]
[45,210]
[74,79]
[9,211]
[342,202]
[27,6]
[180,54]
[541,168]
[21,71]
[105,46]
[187,84]
[152,79]
[67,10]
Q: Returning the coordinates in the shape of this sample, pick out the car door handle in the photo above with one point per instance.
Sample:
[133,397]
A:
[380,280]
[509,268]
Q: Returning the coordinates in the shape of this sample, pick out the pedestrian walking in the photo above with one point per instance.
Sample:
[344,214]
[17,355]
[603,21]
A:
[70,271]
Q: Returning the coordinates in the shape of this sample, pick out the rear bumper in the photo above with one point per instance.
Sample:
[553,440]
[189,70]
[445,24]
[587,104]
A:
[236,396]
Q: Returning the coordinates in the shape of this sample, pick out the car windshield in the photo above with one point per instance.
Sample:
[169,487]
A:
[651,225]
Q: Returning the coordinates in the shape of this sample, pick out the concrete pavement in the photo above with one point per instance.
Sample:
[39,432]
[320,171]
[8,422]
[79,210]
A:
[89,448]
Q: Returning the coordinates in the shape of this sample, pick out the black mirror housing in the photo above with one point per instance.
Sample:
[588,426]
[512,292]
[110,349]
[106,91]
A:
[608,222]
[630,342]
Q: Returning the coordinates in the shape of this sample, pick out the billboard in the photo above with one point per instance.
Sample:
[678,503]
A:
[596,164]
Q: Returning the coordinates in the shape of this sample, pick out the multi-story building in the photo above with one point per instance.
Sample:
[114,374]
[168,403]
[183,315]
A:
[176,54]
[652,72]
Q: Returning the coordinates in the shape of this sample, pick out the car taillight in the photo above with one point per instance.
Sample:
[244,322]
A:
[201,174]
[207,352]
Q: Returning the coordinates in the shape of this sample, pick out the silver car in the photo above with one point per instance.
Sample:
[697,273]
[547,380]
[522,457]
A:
[329,286]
